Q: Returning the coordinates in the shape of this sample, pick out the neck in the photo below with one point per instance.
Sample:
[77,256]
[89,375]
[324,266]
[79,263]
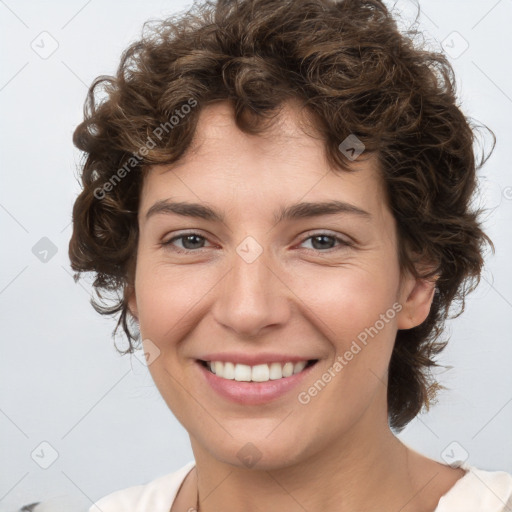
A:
[363,471]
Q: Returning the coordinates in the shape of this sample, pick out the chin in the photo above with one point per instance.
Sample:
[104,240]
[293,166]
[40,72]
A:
[261,455]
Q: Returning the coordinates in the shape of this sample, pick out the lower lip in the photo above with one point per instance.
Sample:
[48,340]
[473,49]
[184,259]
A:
[253,393]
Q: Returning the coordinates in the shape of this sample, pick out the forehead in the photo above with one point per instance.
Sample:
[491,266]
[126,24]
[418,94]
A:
[289,136]
[284,164]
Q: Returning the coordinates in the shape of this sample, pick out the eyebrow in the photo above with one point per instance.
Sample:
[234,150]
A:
[295,211]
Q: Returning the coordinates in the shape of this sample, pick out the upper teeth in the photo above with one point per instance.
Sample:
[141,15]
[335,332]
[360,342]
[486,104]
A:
[258,373]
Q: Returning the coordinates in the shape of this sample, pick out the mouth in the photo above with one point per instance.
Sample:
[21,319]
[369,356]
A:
[258,373]
[271,382]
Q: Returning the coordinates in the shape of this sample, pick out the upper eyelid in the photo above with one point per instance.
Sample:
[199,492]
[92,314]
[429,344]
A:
[183,235]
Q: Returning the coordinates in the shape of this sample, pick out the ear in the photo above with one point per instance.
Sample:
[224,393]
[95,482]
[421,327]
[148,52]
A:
[416,298]
[132,301]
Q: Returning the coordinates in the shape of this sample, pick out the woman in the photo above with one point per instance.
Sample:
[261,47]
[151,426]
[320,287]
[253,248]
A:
[281,191]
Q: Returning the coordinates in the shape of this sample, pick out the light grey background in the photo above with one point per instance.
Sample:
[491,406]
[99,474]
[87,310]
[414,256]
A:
[62,382]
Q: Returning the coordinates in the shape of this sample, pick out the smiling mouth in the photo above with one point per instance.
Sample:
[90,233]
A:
[257,373]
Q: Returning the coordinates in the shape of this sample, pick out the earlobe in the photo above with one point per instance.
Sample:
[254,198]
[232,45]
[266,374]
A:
[416,302]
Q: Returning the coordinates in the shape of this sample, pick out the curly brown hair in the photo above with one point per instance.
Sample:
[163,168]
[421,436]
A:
[353,69]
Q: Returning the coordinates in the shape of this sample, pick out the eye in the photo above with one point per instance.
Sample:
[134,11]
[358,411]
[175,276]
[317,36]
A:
[323,241]
[190,242]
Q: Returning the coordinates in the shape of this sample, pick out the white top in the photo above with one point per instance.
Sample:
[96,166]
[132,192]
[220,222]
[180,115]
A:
[477,491]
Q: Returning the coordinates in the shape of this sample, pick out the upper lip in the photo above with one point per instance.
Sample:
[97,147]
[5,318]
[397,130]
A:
[253,359]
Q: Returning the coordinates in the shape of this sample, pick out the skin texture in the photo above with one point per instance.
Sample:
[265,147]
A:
[337,451]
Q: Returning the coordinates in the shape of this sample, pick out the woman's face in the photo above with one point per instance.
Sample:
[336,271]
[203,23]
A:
[300,287]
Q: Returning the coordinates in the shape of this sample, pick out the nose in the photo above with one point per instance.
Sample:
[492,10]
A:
[252,297]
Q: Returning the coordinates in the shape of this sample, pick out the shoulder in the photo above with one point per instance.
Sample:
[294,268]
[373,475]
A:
[157,495]
[479,490]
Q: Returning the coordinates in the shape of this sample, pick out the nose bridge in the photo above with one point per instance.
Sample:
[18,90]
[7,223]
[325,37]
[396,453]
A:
[251,297]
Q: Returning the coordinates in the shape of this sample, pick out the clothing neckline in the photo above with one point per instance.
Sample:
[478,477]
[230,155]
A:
[468,468]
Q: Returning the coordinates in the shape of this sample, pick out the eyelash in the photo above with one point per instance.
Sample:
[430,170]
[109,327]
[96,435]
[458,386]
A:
[342,242]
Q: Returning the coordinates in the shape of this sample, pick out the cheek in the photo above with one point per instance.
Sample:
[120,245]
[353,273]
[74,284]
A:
[348,299]
[167,298]
[355,309]
[356,315]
